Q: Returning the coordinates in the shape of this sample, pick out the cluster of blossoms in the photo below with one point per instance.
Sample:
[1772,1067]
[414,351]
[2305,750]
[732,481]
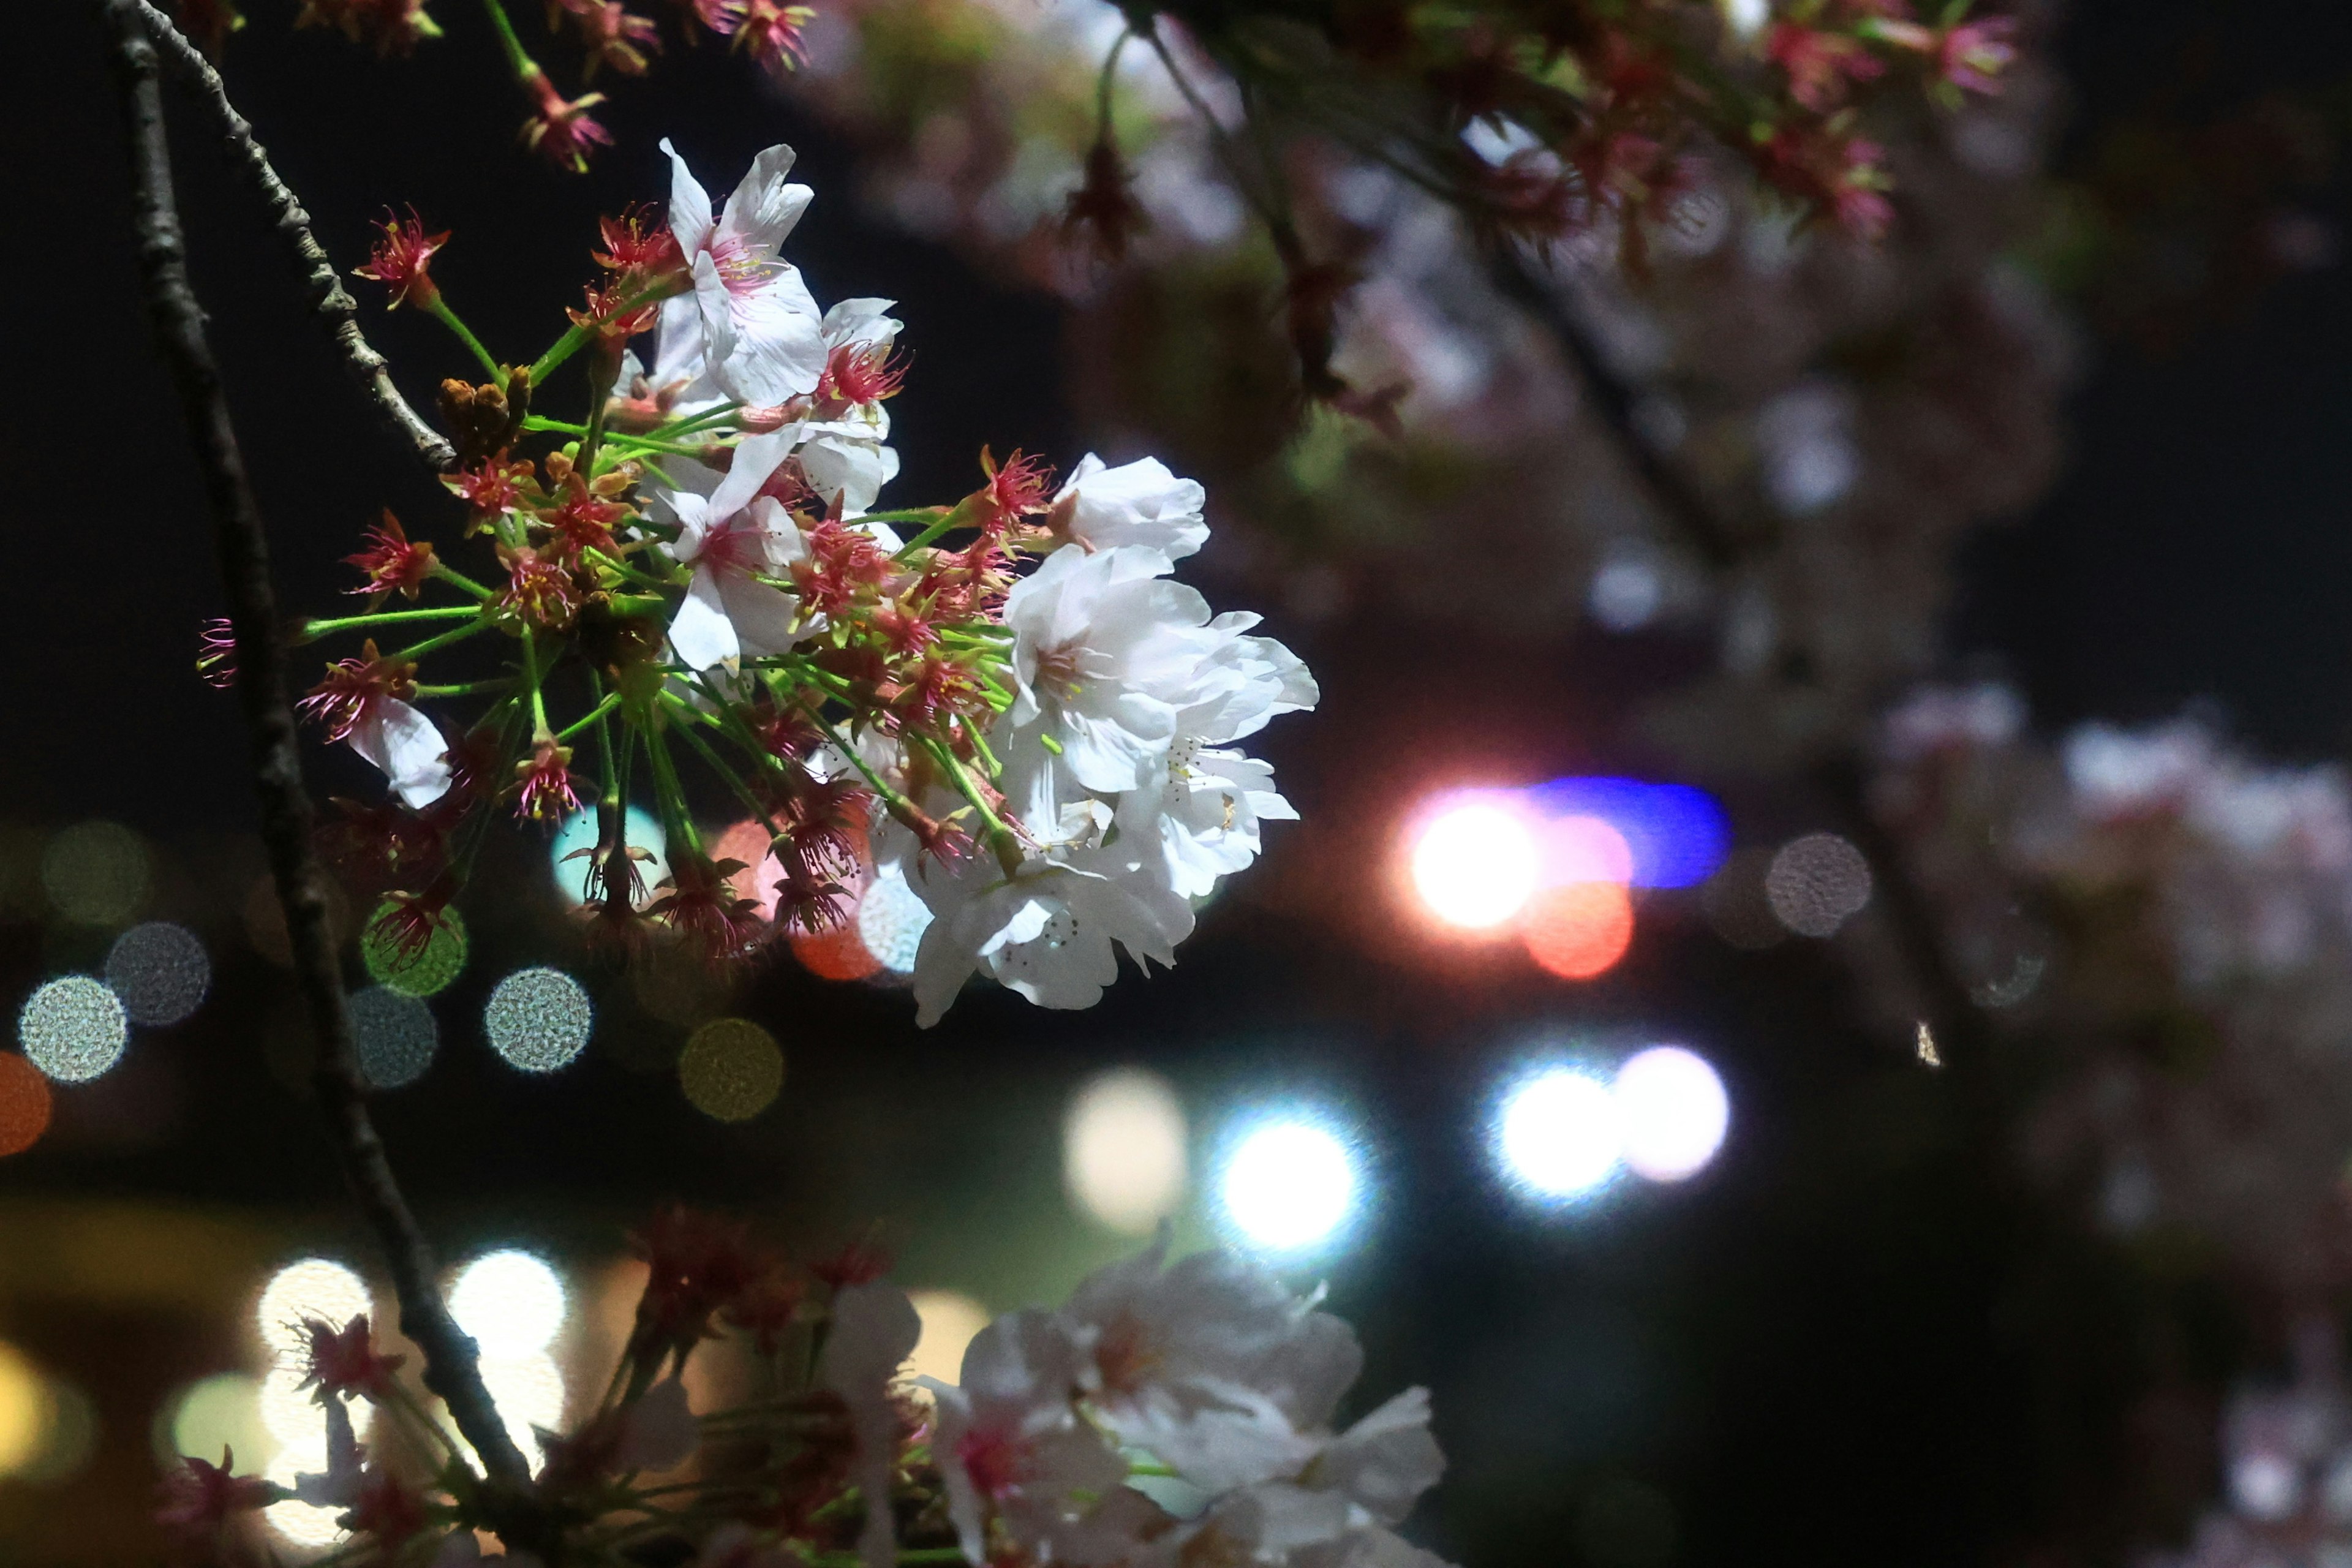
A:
[1046,758]
[2287,1464]
[1204,1380]
[2189,913]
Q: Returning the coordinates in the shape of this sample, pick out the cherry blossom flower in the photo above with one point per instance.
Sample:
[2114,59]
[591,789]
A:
[1206,820]
[1136,503]
[1010,1445]
[733,536]
[1094,636]
[873,1332]
[1209,1363]
[1047,930]
[765,334]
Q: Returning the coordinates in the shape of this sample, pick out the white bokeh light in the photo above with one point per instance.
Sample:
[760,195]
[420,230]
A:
[1559,1135]
[310,1288]
[529,1391]
[510,1302]
[1123,1149]
[1476,865]
[1671,1111]
[1290,1184]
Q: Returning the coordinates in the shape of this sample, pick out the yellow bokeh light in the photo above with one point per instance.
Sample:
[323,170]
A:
[731,1069]
[25,1412]
[1123,1149]
[950,1320]
[213,1414]
[96,873]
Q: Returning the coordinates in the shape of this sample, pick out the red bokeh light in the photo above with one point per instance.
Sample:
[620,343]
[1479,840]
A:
[1578,930]
[835,954]
[24,1104]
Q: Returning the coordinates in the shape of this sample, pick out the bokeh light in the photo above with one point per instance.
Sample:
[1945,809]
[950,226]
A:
[223,1411]
[1559,1133]
[309,1288]
[1123,1149]
[25,1405]
[1578,849]
[1291,1184]
[731,1069]
[1672,1112]
[96,873]
[301,1523]
[395,1035]
[579,832]
[510,1302]
[25,1104]
[424,971]
[537,1019]
[1674,835]
[891,919]
[1735,904]
[530,1393]
[72,1029]
[1817,883]
[1474,864]
[1578,930]
[159,972]
[951,1321]
[838,952]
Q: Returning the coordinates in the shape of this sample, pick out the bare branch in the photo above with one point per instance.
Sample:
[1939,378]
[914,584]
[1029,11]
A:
[452,1368]
[329,301]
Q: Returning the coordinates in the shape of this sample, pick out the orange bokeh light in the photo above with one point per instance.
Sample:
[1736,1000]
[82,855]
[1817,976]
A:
[837,955]
[1578,930]
[747,842]
[24,1104]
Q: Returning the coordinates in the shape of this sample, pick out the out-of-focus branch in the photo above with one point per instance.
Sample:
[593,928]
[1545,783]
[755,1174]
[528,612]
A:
[329,301]
[1840,780]
[452,1369]
[1685,511]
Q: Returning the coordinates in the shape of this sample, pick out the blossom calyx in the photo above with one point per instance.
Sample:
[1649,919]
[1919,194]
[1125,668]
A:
[199,1498]
[403,260]
[1104,206]
[340,1362]
[544,782]
[392,561]
[560,127]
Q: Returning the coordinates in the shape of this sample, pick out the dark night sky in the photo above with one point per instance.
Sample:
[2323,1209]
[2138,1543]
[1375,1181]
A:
[1808,1354]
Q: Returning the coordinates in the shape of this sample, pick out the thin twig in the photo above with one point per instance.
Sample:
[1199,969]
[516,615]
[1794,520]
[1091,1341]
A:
[451,1367]
[1686,511]
[329,301]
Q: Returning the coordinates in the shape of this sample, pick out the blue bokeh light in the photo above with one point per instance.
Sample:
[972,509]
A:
[1678,833]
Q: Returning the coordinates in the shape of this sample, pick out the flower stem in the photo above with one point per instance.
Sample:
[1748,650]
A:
[577,337]
[676,427]
[443,640]
[518,60]
[315,629]
[618,438]
[672,795]
[719,765]
[459,580]
[944,521]
[440,309]
[593,716]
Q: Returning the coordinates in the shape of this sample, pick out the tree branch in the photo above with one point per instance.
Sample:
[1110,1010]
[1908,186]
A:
[1840,779]
[329,301]
[451,1366]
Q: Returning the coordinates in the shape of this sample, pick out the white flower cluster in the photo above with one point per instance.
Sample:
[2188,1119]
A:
[1206,1371]
[1119,753]
[1118,756]
[2194,1023]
